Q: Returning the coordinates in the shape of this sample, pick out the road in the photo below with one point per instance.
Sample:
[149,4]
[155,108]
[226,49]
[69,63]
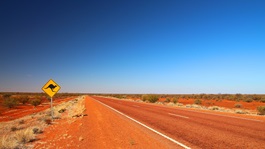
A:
[194,128]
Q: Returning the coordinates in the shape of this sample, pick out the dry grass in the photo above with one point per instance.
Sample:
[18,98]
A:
[17,139]
[31,125]
[25,136]
[77,110]
[7,142]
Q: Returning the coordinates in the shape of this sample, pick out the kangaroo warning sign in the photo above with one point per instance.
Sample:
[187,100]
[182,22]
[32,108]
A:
[51,88]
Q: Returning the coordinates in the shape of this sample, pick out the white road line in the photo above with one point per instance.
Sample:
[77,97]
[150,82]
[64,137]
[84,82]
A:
[178,115]
[225,115]
[161,134]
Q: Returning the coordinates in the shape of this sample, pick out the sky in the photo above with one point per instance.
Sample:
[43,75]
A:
[138,46]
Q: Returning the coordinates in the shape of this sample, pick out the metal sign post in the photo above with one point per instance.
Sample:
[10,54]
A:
[51,109]
[51,88]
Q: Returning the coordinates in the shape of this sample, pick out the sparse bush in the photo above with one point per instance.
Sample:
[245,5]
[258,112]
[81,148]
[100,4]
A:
[256,97]
[24,136]
[214,108]
[10,102]
[7,96]
[238,105]
[262,99]
[175,100]
[37,130]
[23,99]
[13,128]
[248,99]
[197,102]
[150,98]
[240,112]
[261,110]
[144,97]
[167,100]
[36,102]
[61,110]
[22,122]
[48,121]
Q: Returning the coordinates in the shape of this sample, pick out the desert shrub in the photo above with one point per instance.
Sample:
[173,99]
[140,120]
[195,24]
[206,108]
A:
[23,99]
[261,110]
[10,102]
[144,97]
[175,100]
[262,99]
[240,112]
[62,110]
[24,136]
[21,122]
[13,128]
[214,108]
[36,102]
[48,121]
[7,96]
[167,100]
[248,99]
[256,97]
[238,105]
[37,130]
[197,101]
[150,98]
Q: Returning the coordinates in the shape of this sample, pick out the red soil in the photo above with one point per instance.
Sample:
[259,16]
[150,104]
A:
[101,128]
[225,103]
[7,114]
[222,103]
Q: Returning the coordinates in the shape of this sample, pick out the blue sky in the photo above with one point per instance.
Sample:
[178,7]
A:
[150,46]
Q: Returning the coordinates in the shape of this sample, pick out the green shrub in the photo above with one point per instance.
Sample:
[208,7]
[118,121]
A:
[261,110]
[7,96]
[175,100]
[36,102]
[197,101]
[23,99]
[150,98]
[144,97]
[167,100]
[10,102]
[238,105]
[262,99]
[248,100]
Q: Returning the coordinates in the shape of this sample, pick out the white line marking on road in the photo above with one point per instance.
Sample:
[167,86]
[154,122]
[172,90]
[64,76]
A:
[178,115]
[161,134]
[224,115]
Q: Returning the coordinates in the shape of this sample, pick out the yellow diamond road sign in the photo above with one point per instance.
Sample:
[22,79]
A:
[51,88]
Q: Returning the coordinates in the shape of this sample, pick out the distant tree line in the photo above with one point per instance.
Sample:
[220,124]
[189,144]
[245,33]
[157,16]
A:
[217,97]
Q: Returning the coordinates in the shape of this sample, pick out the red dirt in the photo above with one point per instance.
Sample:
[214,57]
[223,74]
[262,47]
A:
[222,103]
[225,103]
[102,128]
[23,110]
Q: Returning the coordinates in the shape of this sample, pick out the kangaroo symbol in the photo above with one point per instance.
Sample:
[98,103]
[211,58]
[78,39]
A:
[51,86]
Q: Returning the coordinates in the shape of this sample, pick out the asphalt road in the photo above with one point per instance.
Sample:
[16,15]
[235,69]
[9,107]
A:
[194,128]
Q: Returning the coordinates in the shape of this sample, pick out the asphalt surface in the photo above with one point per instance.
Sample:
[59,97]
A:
[194,128]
